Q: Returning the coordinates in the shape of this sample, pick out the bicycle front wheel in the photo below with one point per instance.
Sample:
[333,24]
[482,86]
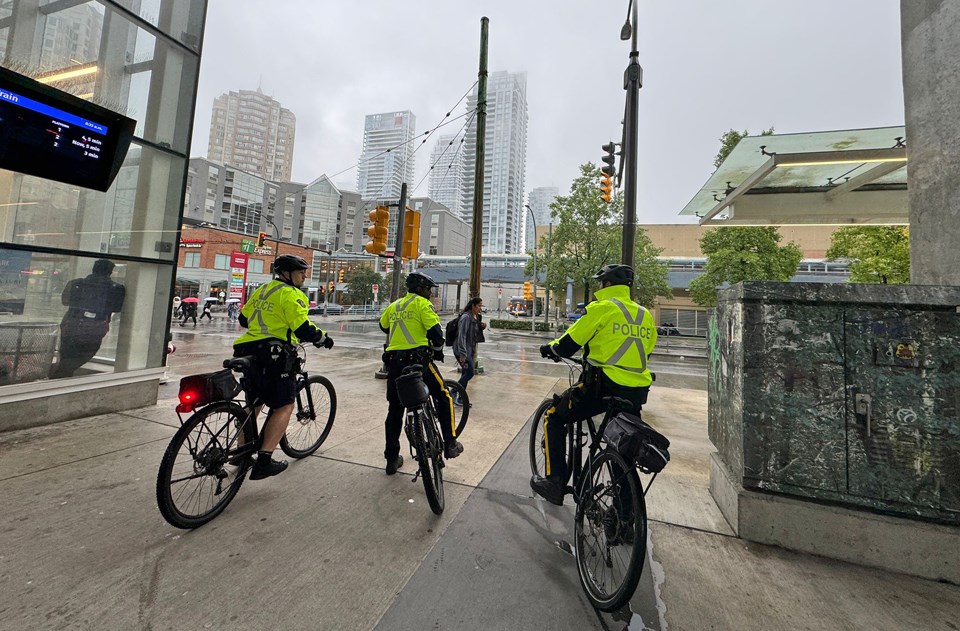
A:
[430,457]
[316,407]
[610,531]
[538,444]
[460,413]
[205,464]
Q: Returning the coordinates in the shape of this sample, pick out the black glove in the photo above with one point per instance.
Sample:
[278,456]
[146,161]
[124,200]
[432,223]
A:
[438,355]
[547,351]
[326,342]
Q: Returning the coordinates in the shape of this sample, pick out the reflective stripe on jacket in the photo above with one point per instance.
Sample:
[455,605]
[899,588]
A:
[618,336]
[274,310]
[407,321]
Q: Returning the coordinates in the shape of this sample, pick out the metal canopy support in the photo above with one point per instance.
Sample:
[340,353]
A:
[890,160]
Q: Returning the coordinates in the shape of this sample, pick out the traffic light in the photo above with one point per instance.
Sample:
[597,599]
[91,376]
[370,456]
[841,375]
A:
[527,290]
[332,286]
[411,234]
[608,170]
[380,219]
[261,239]
[340,276]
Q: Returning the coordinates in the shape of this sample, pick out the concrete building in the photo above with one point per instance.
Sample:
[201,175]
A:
[145,68]
[505,158]
[251,131]
[387,159]
[446,174]
[539,200]
[352,222]
[442,232]
[237,201]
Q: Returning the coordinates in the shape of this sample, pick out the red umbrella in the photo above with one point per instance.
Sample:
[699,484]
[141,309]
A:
[190,299]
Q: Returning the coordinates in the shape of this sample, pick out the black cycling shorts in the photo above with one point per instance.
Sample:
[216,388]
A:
[275,382]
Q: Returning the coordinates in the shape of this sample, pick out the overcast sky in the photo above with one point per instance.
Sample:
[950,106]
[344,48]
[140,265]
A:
[796,65]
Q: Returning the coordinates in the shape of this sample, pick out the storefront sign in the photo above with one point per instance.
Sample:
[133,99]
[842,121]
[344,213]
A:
[191,243]
[238,274]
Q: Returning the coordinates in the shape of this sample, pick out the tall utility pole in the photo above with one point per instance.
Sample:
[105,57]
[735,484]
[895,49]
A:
[632,82]
[546,301]
[477,242]
[398,248]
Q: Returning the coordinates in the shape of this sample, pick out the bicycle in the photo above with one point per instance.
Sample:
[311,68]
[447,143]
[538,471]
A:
[423,432]
[610,523]
[458,391]
[207,459]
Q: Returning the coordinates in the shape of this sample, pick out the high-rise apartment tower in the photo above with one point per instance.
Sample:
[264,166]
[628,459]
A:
[504,162]
[249,130]
[387,159]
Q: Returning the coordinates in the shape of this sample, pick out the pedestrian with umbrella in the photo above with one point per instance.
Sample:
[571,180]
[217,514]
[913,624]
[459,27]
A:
[188,306]
[206,311]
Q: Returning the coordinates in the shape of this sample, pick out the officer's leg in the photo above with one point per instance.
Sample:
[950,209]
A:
[442,401]
[393,424]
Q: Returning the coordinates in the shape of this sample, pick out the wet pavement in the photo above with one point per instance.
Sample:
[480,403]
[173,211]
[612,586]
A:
[334,543]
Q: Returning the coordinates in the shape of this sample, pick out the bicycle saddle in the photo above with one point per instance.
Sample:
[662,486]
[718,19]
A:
[241,364]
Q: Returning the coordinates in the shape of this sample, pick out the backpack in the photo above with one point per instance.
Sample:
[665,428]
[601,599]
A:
[453,329]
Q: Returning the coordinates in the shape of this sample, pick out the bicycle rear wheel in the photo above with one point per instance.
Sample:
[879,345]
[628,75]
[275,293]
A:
[429,450]
[538,456]
[316,407]
[461,413]
[610,531]
[205,464]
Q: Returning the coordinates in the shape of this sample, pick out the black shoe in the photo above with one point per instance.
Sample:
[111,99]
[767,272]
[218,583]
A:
[264,468]
[456,401]
[394,465]
[452,450]
[547,489]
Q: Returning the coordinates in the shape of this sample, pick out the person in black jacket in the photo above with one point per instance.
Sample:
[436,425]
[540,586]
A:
[91,303]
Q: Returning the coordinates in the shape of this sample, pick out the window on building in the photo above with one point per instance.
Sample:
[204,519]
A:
[222,261]
[255,266]
[191,259]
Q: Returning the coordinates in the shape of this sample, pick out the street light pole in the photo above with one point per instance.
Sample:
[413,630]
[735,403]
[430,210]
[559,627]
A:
[546,301]
[533,310]
[632,82]
[277,230]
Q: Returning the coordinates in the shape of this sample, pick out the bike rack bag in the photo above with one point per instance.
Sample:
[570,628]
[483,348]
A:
[197,390]
[411,389]
[637,442]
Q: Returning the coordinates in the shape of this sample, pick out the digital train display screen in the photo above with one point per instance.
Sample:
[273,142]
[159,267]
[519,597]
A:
[57,136]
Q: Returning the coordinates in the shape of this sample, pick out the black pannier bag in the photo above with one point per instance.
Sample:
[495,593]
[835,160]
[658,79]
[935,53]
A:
[197,390]
[637,442]
[411,389]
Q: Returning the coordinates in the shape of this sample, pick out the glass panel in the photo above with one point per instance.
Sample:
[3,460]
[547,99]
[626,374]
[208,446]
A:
[180,19]
[63,316]
[101,56]
[131,218]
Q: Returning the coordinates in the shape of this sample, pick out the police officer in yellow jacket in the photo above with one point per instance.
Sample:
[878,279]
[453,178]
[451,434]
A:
[617,336]
[275,316]
[415,337]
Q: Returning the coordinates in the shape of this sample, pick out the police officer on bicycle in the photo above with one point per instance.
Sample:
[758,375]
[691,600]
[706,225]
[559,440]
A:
[617,336]
[415,337]
[275,317]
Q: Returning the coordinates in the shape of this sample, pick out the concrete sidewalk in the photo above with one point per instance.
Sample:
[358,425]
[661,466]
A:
[335,544]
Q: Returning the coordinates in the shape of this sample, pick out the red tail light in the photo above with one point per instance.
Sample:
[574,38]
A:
[187,397]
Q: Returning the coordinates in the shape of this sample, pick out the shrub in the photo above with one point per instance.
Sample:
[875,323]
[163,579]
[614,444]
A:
[518,325]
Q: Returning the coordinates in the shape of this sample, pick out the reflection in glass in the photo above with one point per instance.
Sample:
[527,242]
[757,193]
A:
[64,316]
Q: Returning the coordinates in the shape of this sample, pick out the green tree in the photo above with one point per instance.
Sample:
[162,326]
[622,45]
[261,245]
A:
[877,254]
[587,235]
[731,139]
[739,253]
[362,280]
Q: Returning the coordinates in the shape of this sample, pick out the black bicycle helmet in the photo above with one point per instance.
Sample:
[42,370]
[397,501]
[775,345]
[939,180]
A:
[616,274]
[418,280]
[289,263]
